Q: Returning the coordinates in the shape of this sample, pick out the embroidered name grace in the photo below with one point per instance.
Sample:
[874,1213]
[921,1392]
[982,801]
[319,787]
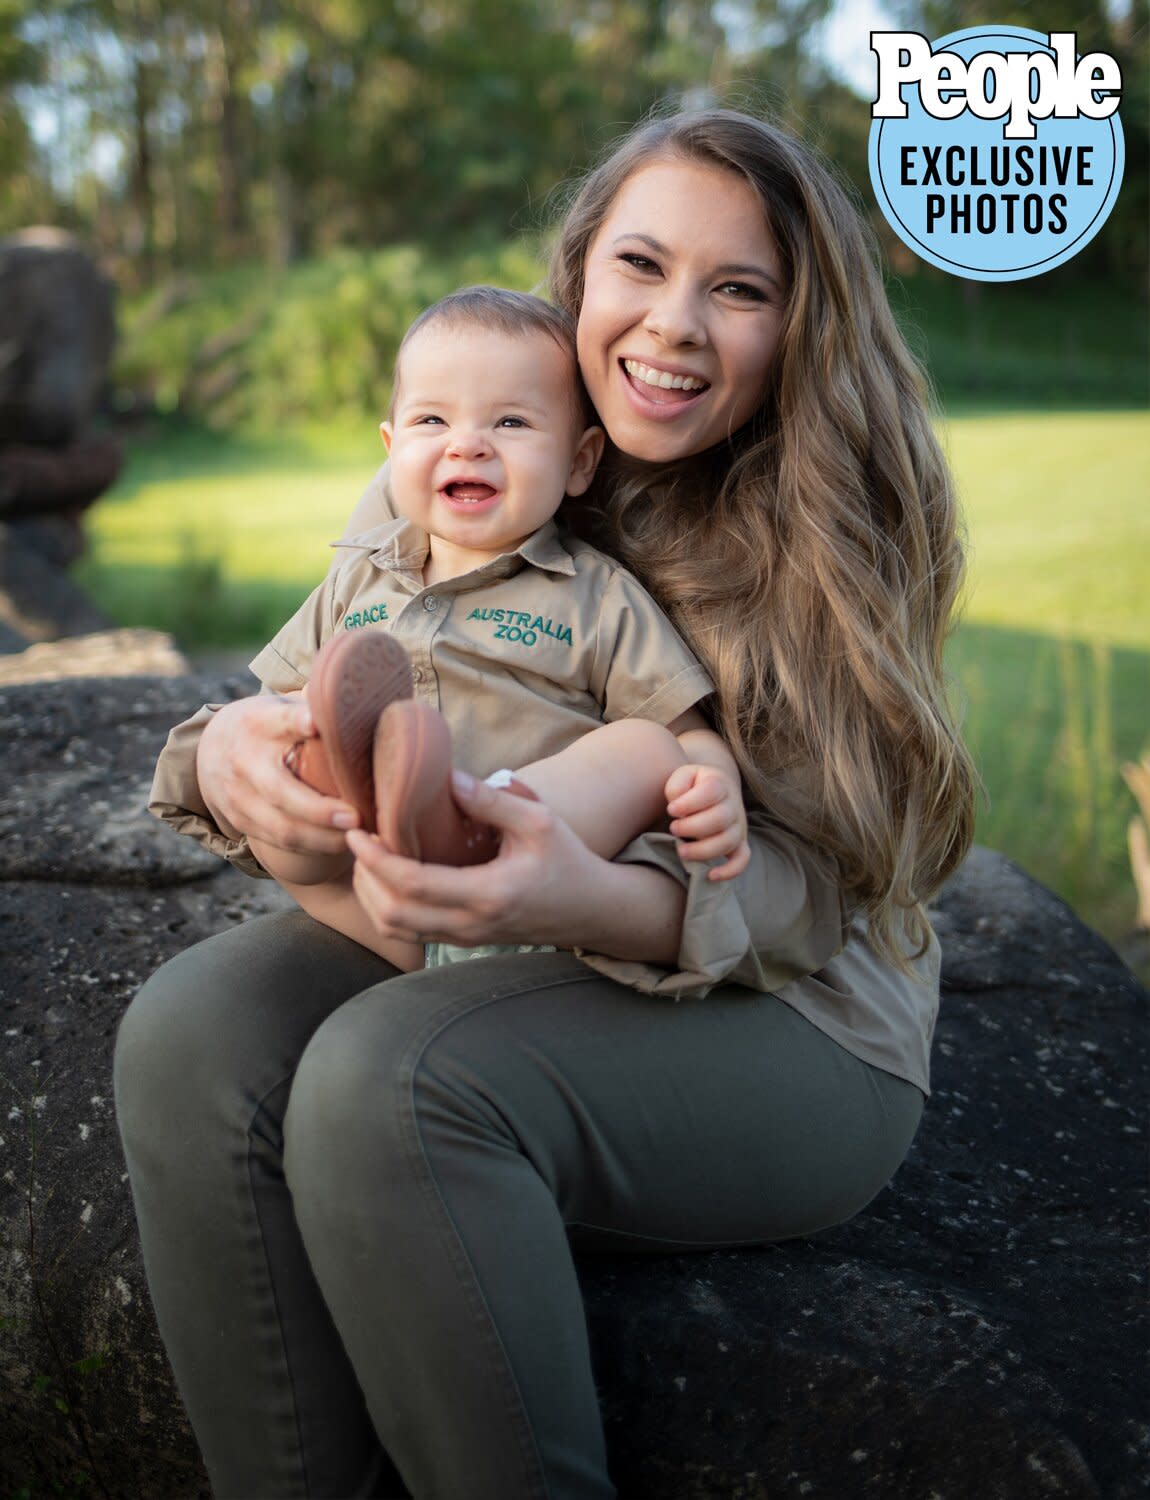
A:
[374,614]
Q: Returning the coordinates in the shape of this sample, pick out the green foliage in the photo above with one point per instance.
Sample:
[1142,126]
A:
[1050,720]
[1055,341]
[249,349]
[248,128]
[308,344]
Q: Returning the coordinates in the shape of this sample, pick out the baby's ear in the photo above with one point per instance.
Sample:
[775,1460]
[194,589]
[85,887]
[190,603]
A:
[385,432]
[588,452]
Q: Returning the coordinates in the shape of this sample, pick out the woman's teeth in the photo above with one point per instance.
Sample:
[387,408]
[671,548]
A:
[662,378]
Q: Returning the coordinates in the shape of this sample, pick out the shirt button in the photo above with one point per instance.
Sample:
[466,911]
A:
[431,604]
[417,674]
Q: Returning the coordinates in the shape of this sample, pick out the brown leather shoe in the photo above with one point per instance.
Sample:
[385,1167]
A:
[416,814]
[354,678]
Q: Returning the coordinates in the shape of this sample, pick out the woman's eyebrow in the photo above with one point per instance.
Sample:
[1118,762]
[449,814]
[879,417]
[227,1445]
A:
[731,269]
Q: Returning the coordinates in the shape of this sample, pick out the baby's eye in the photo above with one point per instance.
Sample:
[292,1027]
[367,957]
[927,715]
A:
[511,422]
[428,419]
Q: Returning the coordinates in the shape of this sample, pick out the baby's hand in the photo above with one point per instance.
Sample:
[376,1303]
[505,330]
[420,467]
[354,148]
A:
[708,818]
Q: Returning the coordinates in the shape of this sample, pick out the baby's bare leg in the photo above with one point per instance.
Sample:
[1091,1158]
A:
[608,786]
[336,905]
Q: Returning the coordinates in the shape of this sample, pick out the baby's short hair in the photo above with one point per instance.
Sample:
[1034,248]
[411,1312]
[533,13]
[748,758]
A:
[499,310]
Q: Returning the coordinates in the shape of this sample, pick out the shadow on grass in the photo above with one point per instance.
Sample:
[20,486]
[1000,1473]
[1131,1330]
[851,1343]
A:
[194,601]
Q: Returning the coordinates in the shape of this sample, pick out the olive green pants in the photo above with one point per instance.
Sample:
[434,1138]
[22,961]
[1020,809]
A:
[358,1194]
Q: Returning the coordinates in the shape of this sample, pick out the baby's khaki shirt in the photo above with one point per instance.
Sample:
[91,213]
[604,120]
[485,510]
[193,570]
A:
[523,655]
[519,654]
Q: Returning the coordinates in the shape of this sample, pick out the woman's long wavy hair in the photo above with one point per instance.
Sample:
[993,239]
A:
[813,559]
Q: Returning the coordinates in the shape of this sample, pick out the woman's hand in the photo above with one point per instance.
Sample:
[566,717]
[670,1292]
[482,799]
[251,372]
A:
[544,887]
[248,788]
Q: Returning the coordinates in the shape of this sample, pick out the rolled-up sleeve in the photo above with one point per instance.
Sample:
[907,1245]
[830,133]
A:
[782,919]
[177,801]
[281,667]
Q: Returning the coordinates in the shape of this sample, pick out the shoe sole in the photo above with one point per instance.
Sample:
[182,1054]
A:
[354,679]
[412,773]
[416,815]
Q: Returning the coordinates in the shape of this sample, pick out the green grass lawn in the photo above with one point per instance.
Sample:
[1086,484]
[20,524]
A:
[219,539]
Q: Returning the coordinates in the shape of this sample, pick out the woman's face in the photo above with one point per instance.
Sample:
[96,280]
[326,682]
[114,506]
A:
[683,299]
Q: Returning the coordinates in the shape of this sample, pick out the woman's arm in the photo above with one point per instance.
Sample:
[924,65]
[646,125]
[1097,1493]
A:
[643,918]
[544,887]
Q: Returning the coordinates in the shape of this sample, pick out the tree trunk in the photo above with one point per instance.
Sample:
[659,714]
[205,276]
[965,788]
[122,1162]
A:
[143,191]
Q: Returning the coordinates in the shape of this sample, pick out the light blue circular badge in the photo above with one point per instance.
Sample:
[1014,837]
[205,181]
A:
[1013,190]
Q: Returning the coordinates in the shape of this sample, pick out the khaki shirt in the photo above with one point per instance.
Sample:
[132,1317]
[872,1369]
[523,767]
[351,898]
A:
[523,655]
[781,926]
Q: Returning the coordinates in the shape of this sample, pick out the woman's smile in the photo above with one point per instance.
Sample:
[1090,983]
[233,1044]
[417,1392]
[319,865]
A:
[682,306]
[657,394]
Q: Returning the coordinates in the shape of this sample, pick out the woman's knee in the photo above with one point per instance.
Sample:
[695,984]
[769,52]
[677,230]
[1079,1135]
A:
[384,1067]
[348,1090]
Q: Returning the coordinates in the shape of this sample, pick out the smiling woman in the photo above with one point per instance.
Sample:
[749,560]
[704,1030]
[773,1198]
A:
[684,297]
[360,1191]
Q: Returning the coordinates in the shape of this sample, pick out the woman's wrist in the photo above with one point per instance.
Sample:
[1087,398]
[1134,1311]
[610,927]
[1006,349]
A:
[630,911]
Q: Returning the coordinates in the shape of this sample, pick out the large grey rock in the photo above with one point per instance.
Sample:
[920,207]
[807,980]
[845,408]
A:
[80,760]
[39,601]
[124,652]
[975,1334]
[57,333]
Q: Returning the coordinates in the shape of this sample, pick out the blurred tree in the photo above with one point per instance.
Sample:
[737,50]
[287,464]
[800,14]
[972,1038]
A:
[19,65]
[200,131]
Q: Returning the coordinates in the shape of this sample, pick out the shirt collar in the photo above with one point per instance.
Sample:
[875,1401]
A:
[401,547]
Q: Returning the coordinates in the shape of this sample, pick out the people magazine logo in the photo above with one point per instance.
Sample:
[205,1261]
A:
[997,153]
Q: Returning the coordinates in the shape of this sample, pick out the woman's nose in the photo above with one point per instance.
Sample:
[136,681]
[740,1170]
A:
[676,316]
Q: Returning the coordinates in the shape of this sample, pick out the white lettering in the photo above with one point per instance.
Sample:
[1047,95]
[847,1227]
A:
[1022,86]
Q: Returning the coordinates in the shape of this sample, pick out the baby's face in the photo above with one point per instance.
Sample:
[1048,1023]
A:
[484,438]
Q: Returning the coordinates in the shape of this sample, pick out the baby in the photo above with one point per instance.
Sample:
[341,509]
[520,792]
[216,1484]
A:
[471,628]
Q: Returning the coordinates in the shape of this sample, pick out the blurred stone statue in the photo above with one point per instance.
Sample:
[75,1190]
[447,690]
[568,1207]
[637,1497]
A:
[57,335]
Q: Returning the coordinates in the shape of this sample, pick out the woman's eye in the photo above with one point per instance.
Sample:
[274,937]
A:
[638,262]
[743,291]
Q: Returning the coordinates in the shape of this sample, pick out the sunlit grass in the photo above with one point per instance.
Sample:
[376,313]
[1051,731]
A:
[1058,510]
[1053,656]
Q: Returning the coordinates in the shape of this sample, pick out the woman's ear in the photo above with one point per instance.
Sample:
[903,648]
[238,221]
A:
[385,431]
[588,452]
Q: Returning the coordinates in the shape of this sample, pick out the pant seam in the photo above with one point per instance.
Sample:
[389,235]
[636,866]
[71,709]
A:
[270,1279]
